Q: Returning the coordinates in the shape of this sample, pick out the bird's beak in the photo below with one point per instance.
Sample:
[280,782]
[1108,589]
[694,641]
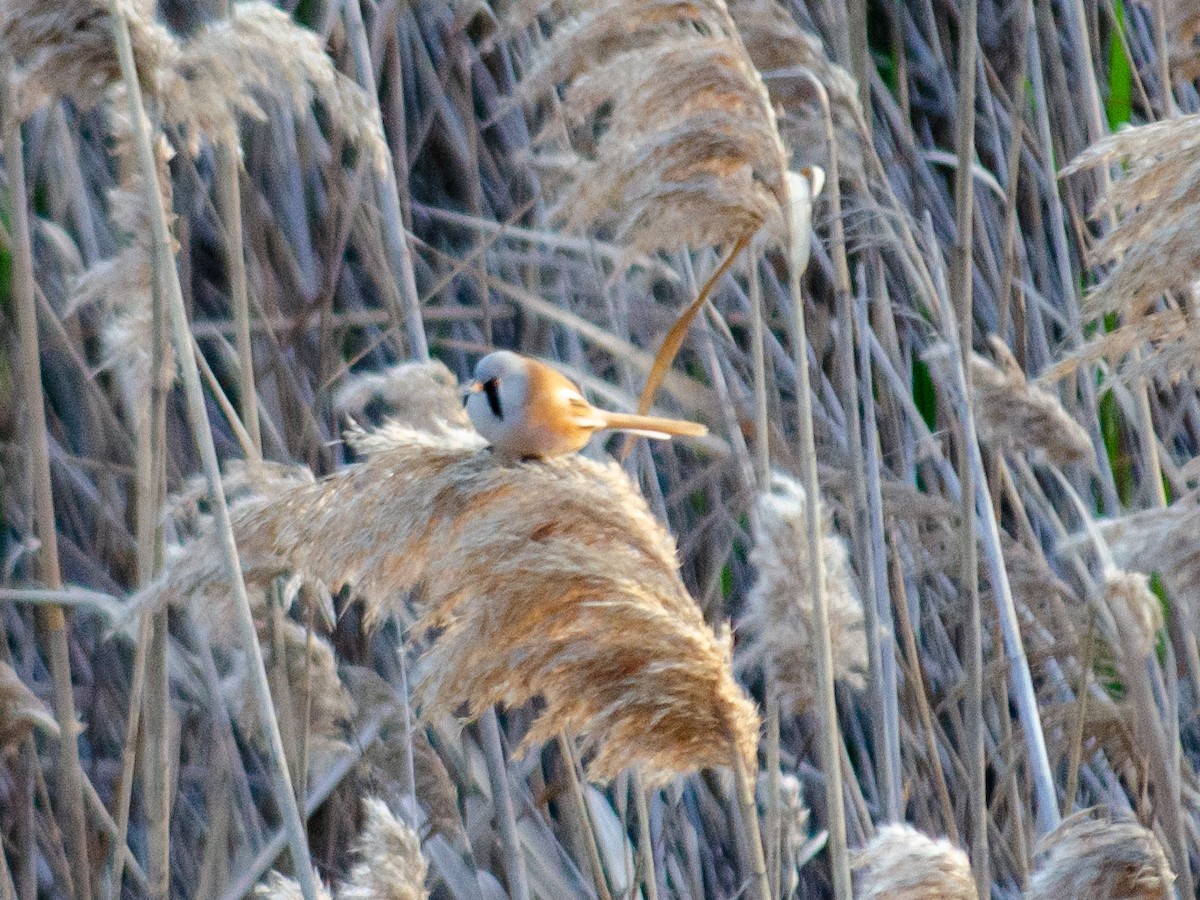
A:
[473,388]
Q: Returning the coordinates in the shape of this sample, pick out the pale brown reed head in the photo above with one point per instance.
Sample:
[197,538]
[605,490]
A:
[1163,541]
[1136,611]
[389,864]
[21,711]
[776,631]
[1153,246]
[1013,414]
[1091,856]
[675,132]
[423,395]
[280,887]
[244,65]
[900,863]
[66,48]
[548,579]
[306,661]
[1183,30]
[779,49]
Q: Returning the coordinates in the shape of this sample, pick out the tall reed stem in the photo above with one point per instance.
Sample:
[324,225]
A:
[197,414]
[830,739]
[399,254]
[506,820]
[961,292]
[52,623]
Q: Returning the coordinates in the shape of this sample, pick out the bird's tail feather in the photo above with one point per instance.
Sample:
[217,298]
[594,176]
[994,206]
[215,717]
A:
[653,426]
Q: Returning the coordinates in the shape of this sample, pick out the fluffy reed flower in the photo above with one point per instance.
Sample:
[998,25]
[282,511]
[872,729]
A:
[1013,414]
[900,863]
[20,710]
[779,48]
[676,134]
[389,865]
[548,579]
[231,67]
[423,395]
[307,665]
[1137,612]
[1163,541]
[280,887]
[777,627]
[1089,855]
[1153,246]
[66,48]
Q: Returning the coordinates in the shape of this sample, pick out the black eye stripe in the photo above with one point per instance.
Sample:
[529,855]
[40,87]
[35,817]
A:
[492,389]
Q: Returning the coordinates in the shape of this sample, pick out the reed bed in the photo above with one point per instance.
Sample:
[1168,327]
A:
[586,677]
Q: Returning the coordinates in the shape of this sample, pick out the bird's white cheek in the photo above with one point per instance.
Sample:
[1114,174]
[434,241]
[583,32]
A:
[481,417]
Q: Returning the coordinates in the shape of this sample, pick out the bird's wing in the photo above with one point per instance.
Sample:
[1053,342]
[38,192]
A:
[582,413]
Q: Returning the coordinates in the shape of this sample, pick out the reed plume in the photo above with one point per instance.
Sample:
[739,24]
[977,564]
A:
[389,865]
[1013,414]
[1152,247]
[66,49]
[900,863]
[21,711]
[546,579]
[674,135]
[423,395]
[777,628]
[1090,855]
[1162,541]
[280,887]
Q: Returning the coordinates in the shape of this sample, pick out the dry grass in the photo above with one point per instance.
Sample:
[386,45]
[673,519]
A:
[666,94]
[1091,855]
[900,863]
[674,138]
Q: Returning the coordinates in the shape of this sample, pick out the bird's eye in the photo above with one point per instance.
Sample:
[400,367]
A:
[492,389]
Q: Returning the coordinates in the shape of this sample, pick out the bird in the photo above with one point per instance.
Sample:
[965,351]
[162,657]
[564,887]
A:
[527,410]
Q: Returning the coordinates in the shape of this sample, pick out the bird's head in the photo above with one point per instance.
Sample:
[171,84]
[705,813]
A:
[495,395]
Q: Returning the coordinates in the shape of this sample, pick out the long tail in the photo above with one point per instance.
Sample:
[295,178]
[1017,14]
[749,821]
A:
[653,426]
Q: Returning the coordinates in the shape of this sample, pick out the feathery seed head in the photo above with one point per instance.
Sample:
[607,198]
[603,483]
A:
[548,579]
[389,864]
[900,863]
[1137,612]
[1089,855]
[777,627]
[280,887]
[1013,414]
[423,395]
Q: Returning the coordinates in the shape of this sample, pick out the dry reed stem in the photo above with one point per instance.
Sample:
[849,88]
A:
[777,628]
[21,711]
[900,863]
[389,865]
[1090,855]
[1014,414]
[547,578]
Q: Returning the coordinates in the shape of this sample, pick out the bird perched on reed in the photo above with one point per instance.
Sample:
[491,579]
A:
[525,409]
